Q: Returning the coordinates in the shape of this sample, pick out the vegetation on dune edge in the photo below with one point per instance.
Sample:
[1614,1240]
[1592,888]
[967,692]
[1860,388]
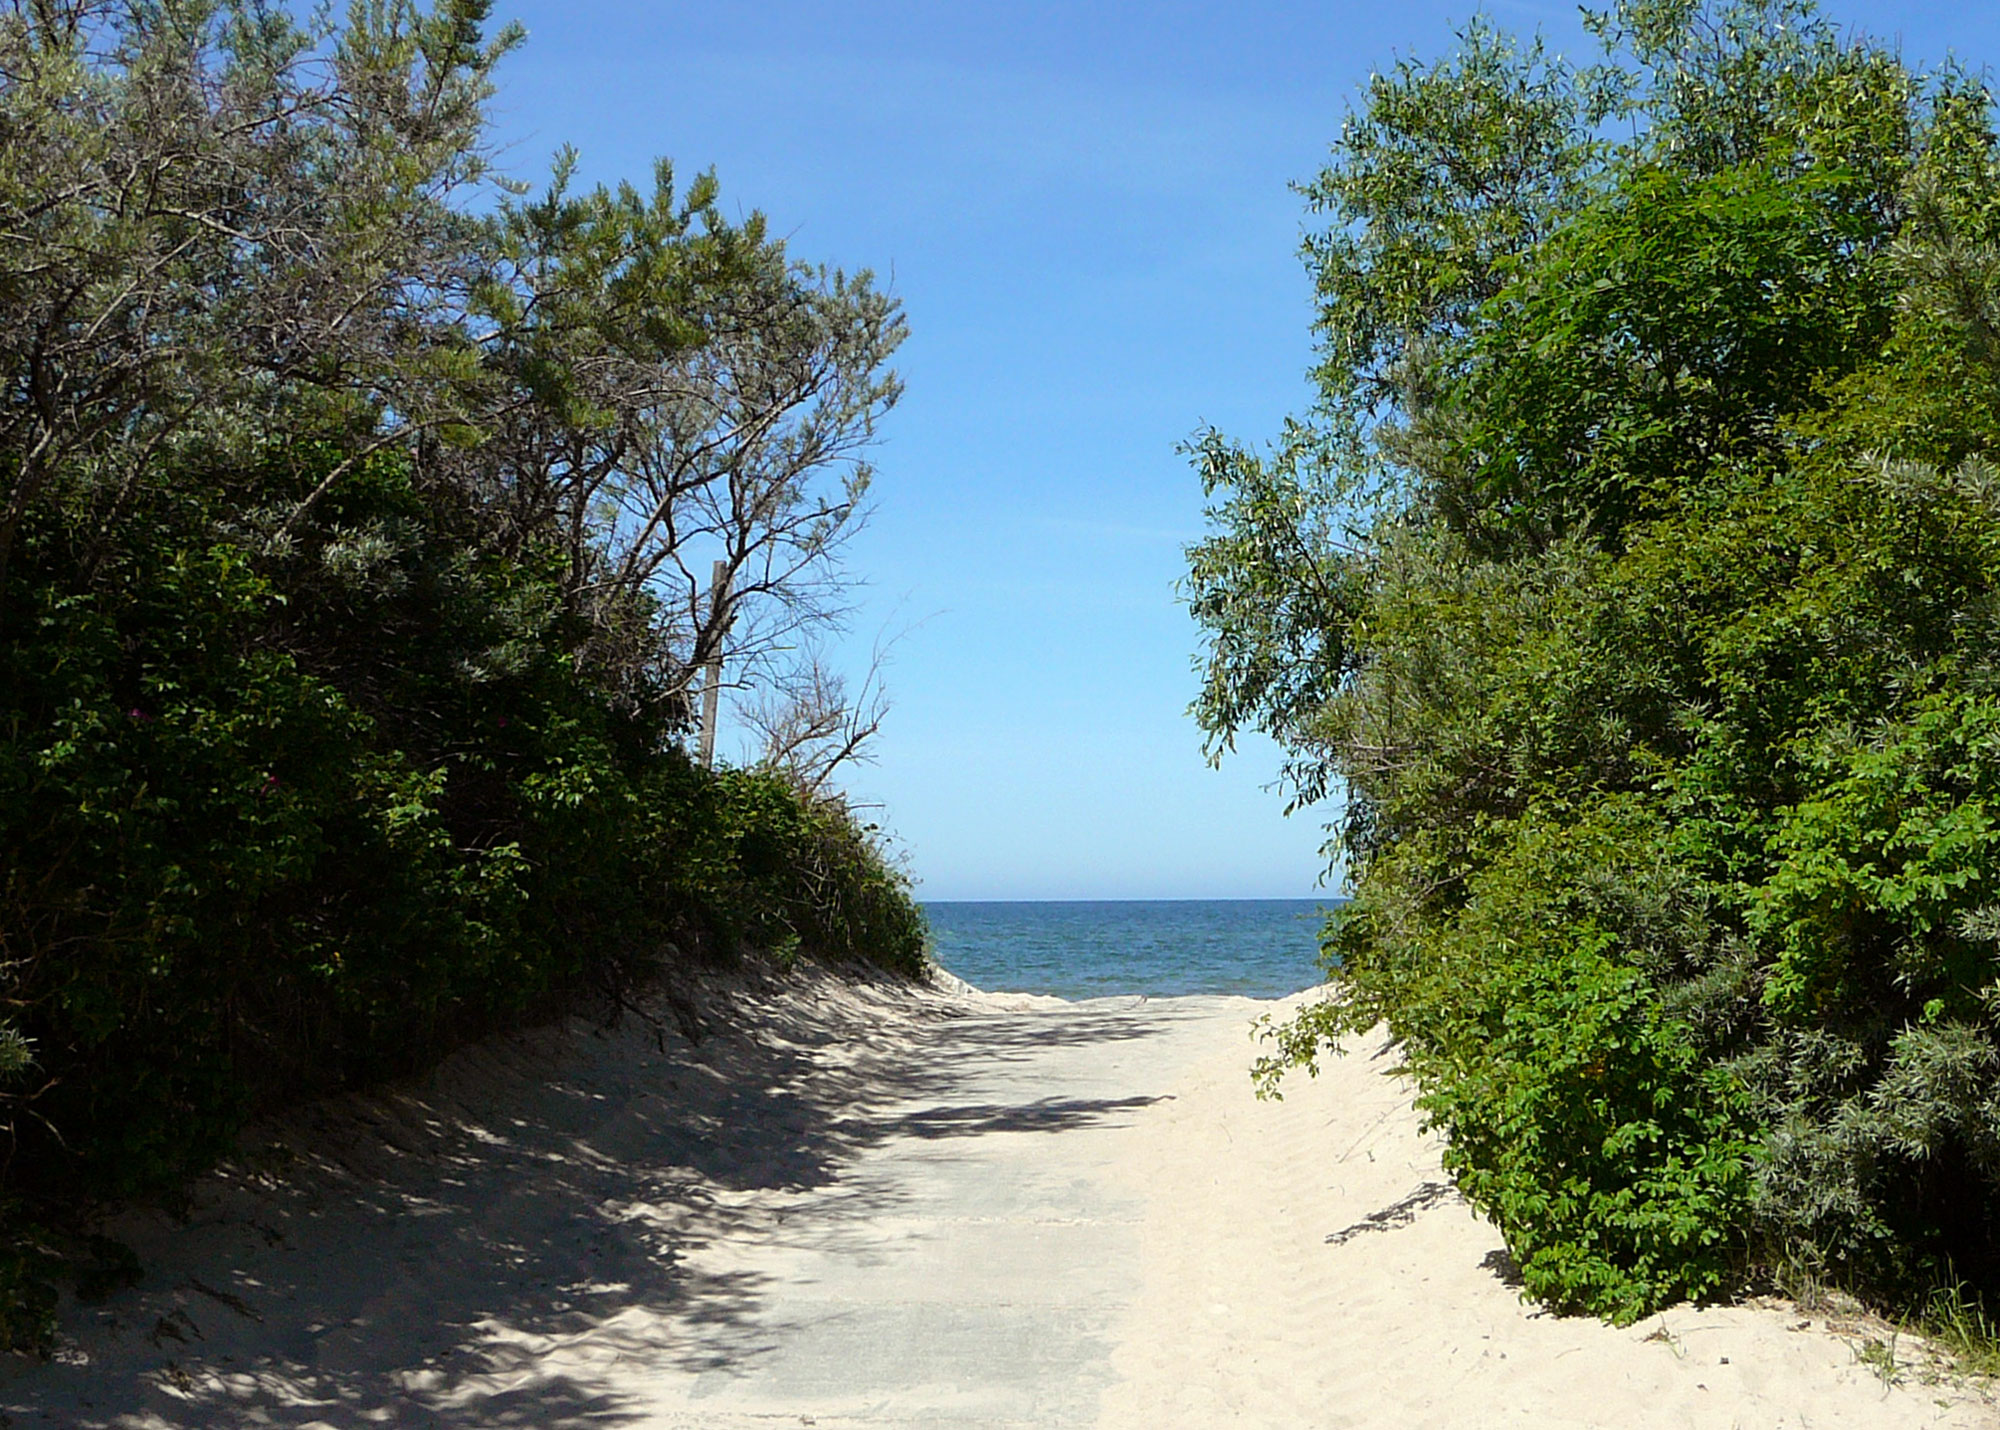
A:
[366,529]
[1634,583]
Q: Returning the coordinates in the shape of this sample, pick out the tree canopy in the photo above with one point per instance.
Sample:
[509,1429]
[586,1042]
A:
[1631,586]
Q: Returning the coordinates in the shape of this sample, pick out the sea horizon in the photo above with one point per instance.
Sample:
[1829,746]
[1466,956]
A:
[1093,948]
[1152,899]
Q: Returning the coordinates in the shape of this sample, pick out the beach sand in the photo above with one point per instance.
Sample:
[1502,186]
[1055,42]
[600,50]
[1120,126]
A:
[1309,1263]
[801,1200]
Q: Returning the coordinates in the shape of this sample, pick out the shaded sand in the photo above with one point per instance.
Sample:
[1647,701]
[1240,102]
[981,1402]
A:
[862,1205]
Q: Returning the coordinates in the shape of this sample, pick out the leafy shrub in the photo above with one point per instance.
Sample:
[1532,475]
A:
[1580,1112]
[343,688]
[1635,579]
[253,851]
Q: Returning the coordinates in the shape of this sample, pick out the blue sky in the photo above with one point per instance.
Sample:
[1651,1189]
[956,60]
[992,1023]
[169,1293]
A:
[1084,209]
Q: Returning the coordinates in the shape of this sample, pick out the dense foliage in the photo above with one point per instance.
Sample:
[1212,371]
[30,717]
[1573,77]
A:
[1636,583]
[359,559]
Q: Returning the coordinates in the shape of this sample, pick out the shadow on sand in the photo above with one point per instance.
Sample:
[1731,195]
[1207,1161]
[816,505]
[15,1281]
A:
[469,1250]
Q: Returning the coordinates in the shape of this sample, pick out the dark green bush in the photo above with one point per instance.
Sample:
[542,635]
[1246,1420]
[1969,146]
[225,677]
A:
[253,852]
[343,702]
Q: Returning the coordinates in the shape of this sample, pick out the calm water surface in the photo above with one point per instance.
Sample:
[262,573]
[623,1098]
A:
[1263,948]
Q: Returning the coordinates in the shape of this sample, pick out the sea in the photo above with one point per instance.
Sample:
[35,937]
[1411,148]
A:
[1261,948]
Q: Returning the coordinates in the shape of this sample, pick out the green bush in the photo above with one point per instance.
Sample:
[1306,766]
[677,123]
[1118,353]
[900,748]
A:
[1581,1114]
[1579,1109]
[243,867]
[1636,578]
[343,696]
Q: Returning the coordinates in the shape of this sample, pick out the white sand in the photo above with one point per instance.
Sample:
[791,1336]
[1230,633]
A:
[862,1206]
[1309,1264]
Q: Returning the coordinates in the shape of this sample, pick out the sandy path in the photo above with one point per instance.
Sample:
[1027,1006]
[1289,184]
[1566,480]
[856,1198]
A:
[1308,1263]
[852,1206]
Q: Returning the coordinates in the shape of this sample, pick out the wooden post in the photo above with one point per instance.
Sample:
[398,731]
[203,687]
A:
[711,690]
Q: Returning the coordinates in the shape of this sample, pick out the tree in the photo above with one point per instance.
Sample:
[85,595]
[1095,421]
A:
[810,724]
[673,392]
[1627,582]
[208,209]
[349,593]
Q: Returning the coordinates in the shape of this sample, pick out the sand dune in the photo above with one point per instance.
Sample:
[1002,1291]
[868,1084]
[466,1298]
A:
[851,1204]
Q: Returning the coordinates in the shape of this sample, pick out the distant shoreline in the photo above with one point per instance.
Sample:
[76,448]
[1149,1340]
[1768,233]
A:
[1323,899]
[1095,948]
